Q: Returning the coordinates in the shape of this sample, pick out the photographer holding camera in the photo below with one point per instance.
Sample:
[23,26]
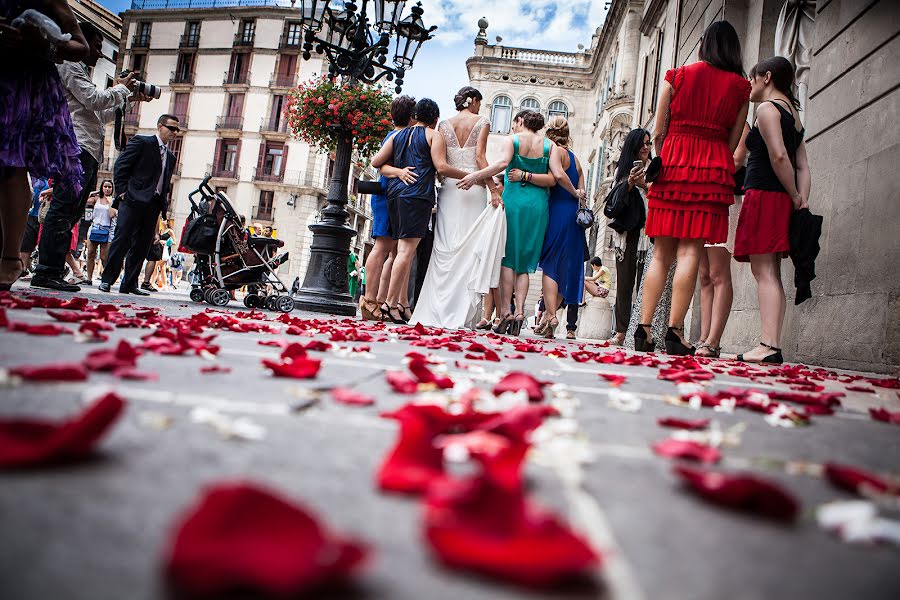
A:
[90,108]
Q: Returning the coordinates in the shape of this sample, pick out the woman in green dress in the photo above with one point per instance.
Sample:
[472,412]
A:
[352,274]
[525,203]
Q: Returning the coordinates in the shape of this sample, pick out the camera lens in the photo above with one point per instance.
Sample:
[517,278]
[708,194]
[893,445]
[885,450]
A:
[148,89]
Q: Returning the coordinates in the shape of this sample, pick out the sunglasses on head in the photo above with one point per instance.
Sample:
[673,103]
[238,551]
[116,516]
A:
[172,128]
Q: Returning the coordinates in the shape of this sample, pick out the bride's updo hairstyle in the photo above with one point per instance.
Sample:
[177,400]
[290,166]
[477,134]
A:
[558,131]
[464,97]
[531,119]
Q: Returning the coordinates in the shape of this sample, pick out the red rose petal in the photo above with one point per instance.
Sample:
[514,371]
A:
[292,351]
[826,398]
[883,414]
[741,492]
[855,480]
[45,329]
[614,380]
[209,369]
[34,442]
[516,381]
[676,423]
[419,368]
[518,422]
[890,383]
[51,372]
[351,397]
[132,374]
[860,388]
[108,359]
[672,448]
[298,368]
[401,382]
[242,537]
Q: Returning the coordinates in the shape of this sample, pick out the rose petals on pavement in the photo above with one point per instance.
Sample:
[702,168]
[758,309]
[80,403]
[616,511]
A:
[299,368]
[740,492]
[400,382]
[672,448]
[857,480]
[111,359]
[614,380]
[31,442]
[240,537]
[516,381]
[883,414]
[419,368]
[51,372]
[351,397]
[676,423]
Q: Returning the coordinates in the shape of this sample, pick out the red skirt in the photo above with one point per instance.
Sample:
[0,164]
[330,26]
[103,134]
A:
[710,224]
[763,225]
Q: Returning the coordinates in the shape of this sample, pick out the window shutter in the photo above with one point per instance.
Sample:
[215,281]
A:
[284,160]
[262,154]
[237,160]
[218,155]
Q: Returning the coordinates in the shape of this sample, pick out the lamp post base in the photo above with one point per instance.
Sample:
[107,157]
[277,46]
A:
[325,287]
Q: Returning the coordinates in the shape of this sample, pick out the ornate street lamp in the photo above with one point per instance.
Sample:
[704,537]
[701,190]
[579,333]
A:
[356,48]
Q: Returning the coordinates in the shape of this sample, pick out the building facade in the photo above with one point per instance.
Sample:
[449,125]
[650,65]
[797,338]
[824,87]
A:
[849,77]
[104,72]
[225,72]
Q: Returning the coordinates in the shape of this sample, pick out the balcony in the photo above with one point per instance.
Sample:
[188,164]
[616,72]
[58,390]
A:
[263,213]
[266,175]
[244,39]
[221,172]
[140,41]
[283,81]
[230,122]
[181,78]
[189,41]
[291,40]
[274,125]
[309,179]
[239,78]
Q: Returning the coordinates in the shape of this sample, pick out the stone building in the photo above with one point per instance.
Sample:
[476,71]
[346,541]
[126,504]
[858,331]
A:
[846,54]
[110,24]
[225,72]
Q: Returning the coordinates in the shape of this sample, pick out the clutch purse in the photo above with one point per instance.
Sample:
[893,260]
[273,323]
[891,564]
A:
[585,218]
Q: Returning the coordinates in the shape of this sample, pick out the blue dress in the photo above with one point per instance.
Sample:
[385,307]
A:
[562,256]
[380,221]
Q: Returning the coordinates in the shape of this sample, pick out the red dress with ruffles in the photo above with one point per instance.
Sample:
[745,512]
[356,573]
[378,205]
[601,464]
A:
[691,196]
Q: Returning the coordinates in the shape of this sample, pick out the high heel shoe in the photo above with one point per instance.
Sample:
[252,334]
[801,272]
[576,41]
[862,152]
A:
[674,345]
[549,331]
[502,327]
[389,312]
[4,287]
[483,325]
[406,311]
[368,312]
[776,358]
[516,327]
[641,341]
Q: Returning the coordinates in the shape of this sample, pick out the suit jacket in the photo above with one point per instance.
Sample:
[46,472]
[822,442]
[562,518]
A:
[137,170]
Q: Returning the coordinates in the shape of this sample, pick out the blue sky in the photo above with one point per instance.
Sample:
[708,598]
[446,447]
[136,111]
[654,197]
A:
[440,68]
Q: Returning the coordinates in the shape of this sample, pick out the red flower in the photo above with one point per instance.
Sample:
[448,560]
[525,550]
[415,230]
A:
[671,448]
[51,372]
[242,537]
[351,398]
[34,442]
[516,381]
[298,368]
[740,492]
[683,423]
[883,414]
[856,480]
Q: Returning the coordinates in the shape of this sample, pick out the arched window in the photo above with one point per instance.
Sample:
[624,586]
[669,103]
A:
[501,114]
[558,107]
[531,104]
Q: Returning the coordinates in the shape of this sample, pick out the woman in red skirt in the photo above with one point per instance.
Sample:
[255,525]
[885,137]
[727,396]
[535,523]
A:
[777,183]
[701,115]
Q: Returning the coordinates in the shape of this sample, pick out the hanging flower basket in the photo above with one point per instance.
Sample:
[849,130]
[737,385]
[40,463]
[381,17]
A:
[321,110]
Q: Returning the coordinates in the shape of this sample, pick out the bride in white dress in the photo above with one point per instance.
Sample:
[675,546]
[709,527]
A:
[470,229]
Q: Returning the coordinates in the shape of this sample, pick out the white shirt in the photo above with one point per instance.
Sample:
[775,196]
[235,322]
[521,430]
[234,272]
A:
[163,152]
[91,108]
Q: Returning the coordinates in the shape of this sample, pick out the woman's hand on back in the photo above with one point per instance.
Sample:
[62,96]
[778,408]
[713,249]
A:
[516,175]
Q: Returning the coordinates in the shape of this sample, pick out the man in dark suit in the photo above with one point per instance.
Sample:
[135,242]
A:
[142,175]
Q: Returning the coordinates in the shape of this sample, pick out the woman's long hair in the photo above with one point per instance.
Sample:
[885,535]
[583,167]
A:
[721,47]
[630,150]
[100,189]
[782,76]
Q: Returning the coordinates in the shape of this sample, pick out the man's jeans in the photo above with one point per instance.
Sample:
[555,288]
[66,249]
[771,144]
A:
[66,209]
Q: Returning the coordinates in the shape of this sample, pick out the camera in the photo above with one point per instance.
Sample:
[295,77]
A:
[147,89]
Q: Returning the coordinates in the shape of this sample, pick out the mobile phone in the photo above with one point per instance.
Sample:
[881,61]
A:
[637,163]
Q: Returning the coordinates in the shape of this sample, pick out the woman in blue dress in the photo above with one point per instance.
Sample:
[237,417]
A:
[379,262]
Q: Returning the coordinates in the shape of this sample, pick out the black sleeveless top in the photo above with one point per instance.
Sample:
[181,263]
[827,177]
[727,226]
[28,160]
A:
[760,174]
[411,149]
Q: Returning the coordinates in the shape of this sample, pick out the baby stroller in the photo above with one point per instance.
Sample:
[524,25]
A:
[229,257]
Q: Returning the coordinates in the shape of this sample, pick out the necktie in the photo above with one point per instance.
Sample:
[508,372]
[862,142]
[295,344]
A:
[162,170]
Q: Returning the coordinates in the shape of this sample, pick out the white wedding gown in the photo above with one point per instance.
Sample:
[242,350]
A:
[469,242]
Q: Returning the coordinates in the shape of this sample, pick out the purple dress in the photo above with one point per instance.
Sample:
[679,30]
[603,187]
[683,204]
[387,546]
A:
[35,126]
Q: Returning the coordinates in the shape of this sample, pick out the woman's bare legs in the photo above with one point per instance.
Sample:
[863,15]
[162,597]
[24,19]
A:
[406,253]
[664,250]
[104,251]
[507,283]
[707,293]
[73,264]
[551,297]
[375,268]
[15,200]
[521,292]
[766,270]
[719,260]
[684,282]
[92,251]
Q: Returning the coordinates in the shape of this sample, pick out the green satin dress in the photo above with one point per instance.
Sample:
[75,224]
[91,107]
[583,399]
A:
[527,212]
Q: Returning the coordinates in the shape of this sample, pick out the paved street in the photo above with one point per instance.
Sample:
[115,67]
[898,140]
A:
[98,530]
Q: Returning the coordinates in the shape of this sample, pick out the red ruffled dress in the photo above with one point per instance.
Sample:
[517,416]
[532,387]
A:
[691,196]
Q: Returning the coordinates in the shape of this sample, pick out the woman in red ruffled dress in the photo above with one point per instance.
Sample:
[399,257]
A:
[701,115]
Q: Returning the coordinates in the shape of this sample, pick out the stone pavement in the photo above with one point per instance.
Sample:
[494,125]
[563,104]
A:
[98,530]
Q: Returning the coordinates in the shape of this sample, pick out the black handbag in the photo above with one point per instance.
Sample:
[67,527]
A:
[616,200]
[585,218]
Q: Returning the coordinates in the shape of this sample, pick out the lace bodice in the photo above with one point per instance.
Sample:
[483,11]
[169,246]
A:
[461,157]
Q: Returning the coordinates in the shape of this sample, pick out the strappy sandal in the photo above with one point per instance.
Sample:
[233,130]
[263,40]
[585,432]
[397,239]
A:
[483,325]
[388,312]
[711,351]
[549,331]
[406,311]
[4,287]
[368,313]
[541,327]
[503,326]
[776,358]
[674,345]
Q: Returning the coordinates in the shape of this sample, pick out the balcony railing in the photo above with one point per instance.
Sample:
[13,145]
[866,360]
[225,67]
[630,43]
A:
[189,40]
[239,78]
[291,40]
[283,81]
[242,38]
[263,174]
[271,125]
[311,179]
[140,41]
[221,172]
[228,122]
[172,4]
[181,78]
[263,213]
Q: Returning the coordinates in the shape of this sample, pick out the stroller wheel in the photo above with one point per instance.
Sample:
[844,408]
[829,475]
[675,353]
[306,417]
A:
[284,304]
[197,295]
[219,297]
[270,302]
[252,301]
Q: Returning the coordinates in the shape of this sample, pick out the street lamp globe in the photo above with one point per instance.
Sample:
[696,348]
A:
[411,34]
